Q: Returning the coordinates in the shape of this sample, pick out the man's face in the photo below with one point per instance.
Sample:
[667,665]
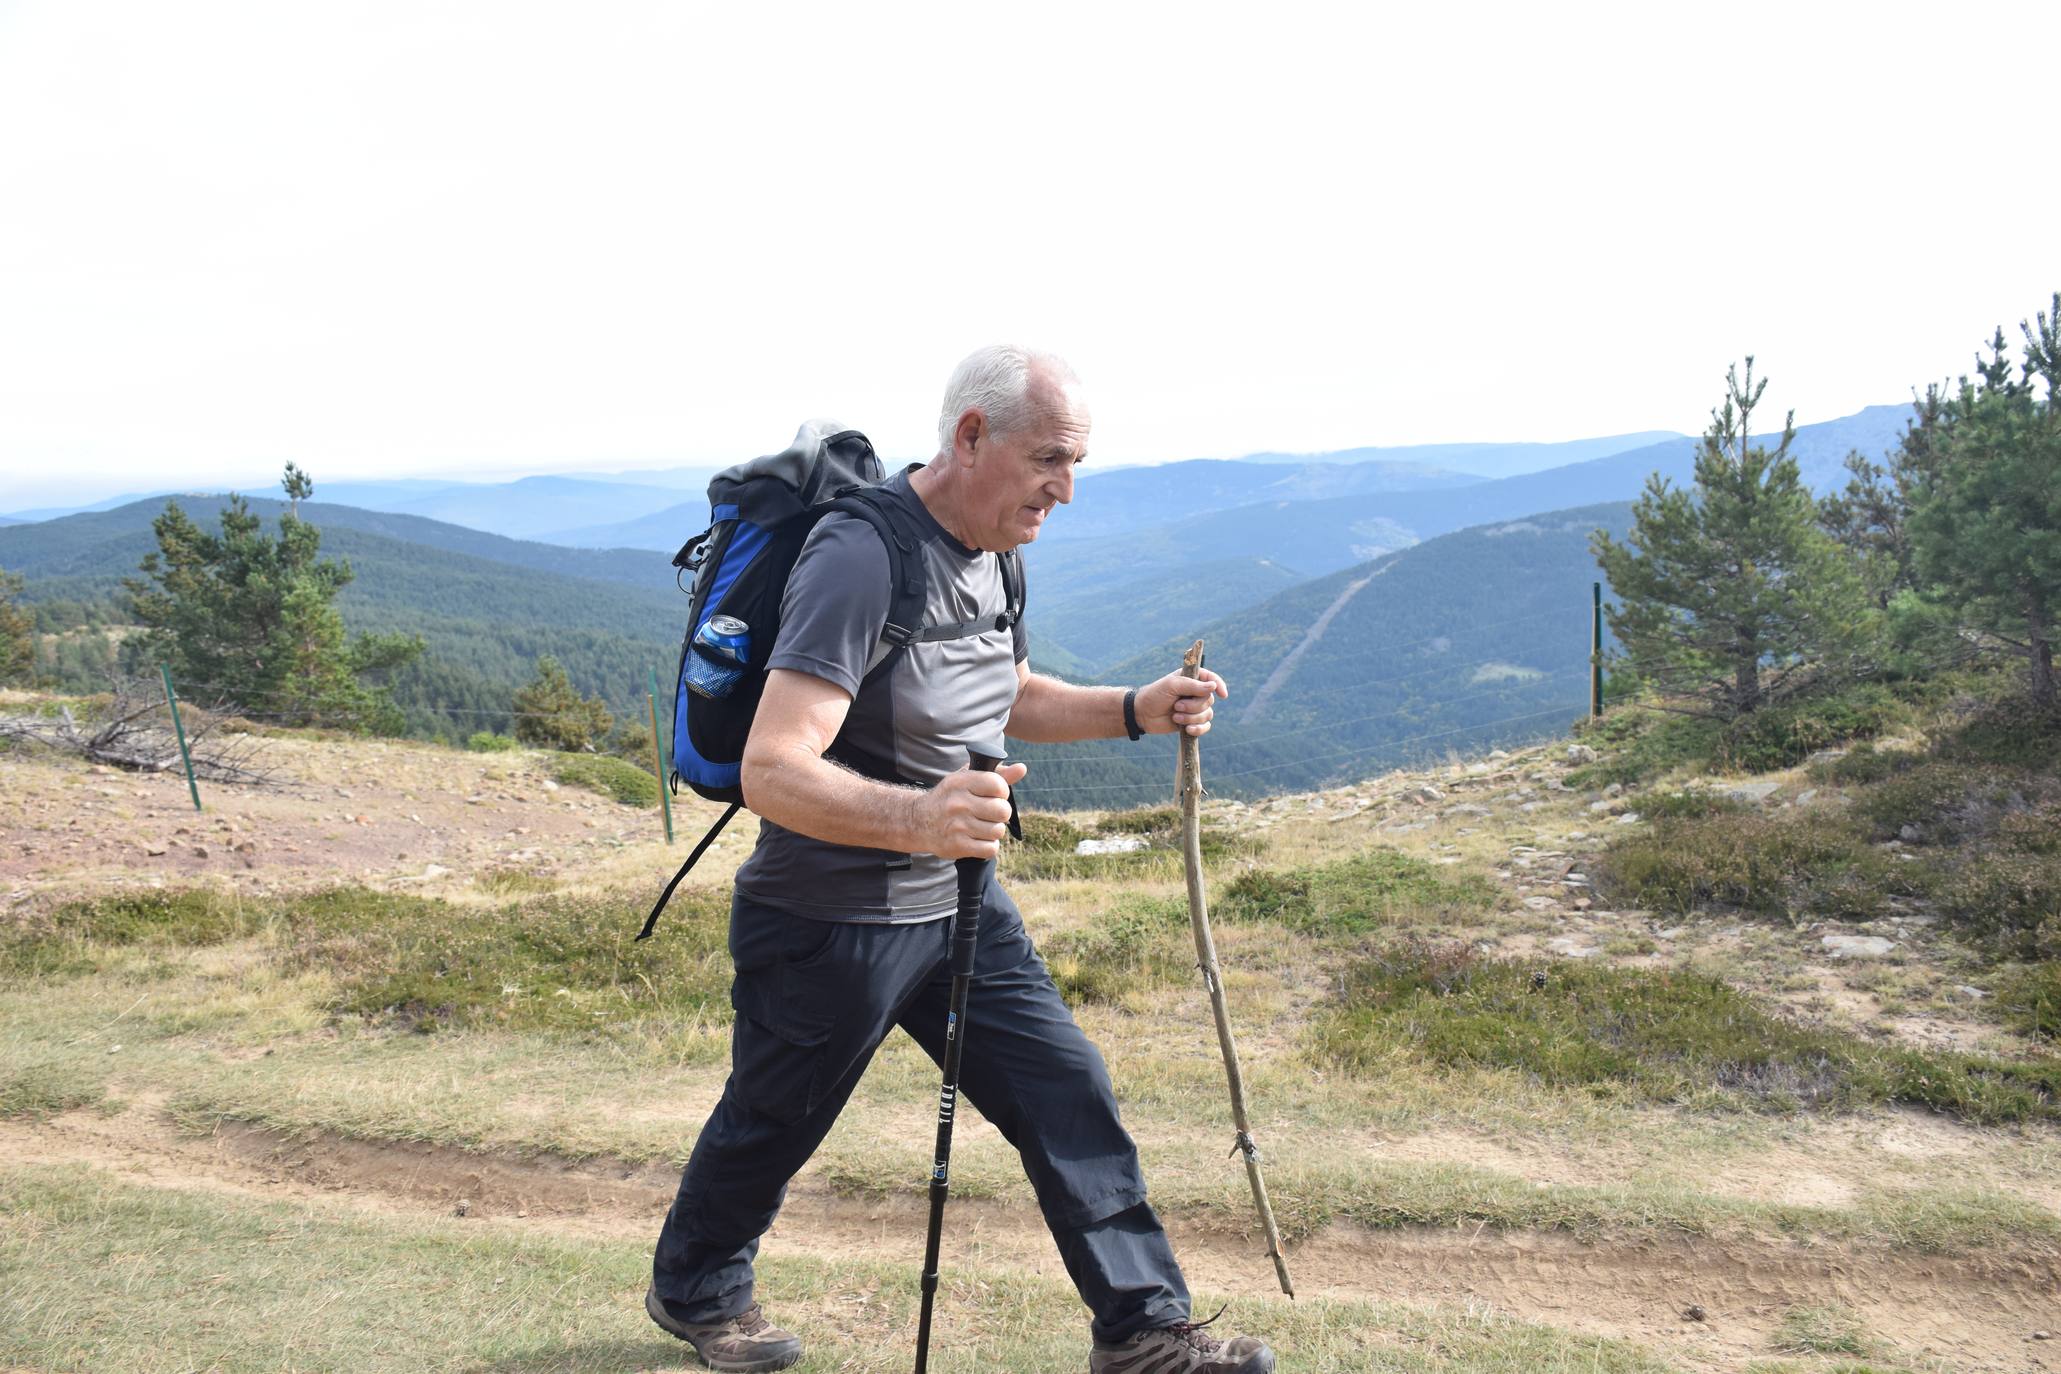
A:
[1020,477]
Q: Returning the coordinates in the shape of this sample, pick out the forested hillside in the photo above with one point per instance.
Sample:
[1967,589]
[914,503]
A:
[485,607]
[1471,639]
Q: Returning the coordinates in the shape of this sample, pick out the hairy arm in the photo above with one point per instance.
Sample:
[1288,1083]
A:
[1048,711]
[787,780]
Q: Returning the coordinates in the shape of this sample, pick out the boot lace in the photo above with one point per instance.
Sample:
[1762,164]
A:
[751,1321]
[1190,1334]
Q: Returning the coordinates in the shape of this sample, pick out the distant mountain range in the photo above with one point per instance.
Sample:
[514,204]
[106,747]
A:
[1486,460]
[1308,578]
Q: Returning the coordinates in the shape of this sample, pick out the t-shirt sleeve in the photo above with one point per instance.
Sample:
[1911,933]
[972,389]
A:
[835,605]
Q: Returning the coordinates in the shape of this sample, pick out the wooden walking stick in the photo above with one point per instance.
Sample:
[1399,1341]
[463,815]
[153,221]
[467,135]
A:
[1190,787]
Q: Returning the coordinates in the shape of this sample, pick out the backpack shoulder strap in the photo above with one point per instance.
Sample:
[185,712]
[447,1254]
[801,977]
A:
[906,582]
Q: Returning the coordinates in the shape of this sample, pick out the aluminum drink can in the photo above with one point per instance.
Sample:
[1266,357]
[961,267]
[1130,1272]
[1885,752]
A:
[722,649]
[725,636]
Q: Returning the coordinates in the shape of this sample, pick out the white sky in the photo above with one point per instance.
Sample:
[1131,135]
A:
[419,238]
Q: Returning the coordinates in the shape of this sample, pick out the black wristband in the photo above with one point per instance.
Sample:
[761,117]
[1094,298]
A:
[1131,714]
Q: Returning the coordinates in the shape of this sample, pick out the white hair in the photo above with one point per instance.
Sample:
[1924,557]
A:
[996,381]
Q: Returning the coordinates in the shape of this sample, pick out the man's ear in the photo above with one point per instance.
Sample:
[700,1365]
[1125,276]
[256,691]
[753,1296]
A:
[968,436]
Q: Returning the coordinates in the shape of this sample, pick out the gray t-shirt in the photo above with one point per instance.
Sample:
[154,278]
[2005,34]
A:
[912,721]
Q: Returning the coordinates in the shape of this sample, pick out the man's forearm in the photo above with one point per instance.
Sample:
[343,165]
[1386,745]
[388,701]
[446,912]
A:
[1049,711]
[813,796]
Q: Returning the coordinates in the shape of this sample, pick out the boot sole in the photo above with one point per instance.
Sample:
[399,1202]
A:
[764,1365]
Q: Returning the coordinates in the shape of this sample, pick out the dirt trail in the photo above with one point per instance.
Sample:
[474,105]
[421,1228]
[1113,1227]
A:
[1969,1312]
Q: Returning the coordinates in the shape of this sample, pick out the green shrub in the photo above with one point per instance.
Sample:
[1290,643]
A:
[2008,898]
[1769,864]
[1946,801]
[1142,943]
[2030,999]
[1374,888]
[70,939]
[1661,1035]
[1691,802]
[2009,729]
[1864,763]
[561,961]
[1784,735]
[1640,742]
[1049,834]
[608,775]
[487,742]
[1143,820]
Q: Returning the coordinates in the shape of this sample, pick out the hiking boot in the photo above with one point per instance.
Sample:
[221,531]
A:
[745,1344]
[1182,1349]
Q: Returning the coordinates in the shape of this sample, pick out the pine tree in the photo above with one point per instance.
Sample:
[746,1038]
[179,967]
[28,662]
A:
[249,621]
[1728,590]
[1985,517]
[298,487]
[17,633]
[551,714]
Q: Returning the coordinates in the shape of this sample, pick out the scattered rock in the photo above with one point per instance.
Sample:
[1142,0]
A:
[1583,903]
[1807,796]
[550,786]
[1752,791]
[1426,794]
[1570,947]
[1857,946]
[463,1209]
[1694,1312]
[200,851]
[1671,933]
[1540,904]
[1607,805]
[1614,789]
[1628,818]
[1115,844]
[1972,994]
[1911,834]
[153,850]
[1469,809]
[1580,753]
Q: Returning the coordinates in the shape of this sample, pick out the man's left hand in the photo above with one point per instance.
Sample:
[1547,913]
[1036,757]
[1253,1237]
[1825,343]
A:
[1178,702]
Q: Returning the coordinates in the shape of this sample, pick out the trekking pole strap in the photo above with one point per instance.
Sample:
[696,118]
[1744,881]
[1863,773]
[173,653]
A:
[651,921]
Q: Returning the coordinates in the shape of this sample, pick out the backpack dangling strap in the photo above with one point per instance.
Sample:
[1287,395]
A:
[651,921]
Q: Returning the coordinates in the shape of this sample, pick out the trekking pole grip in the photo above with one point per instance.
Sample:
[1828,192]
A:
[973,882]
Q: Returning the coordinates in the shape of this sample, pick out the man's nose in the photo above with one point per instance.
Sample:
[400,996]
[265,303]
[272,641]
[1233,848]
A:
[1061,486]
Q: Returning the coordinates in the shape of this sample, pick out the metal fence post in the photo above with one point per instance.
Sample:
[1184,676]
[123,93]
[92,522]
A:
[1596,649]
[658,757]
[179,728]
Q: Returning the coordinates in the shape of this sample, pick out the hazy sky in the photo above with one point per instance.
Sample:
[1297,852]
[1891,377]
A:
[420,238]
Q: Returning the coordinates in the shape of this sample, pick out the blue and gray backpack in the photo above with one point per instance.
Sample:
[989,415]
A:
[760,514]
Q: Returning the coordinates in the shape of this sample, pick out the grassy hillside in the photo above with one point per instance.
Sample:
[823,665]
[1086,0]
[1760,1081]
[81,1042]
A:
[1463,641]
[417,1044]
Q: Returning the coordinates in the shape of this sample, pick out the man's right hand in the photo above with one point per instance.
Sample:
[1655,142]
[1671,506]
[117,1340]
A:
[966,815]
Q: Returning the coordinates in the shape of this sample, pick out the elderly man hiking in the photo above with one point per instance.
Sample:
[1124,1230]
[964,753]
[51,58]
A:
[838,926]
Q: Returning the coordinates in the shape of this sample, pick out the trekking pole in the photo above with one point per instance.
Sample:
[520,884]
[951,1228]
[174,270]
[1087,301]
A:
[973,882]
[1190,787]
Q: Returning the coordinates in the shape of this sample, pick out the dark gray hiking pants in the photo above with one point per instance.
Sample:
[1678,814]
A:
[814,1000]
